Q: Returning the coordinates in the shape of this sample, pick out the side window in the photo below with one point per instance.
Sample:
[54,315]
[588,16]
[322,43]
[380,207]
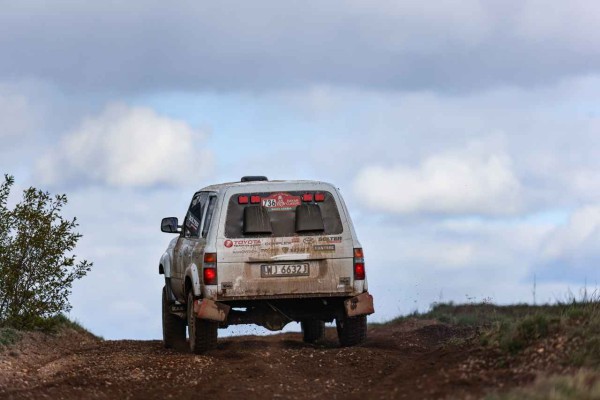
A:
[193,217]
[209,215]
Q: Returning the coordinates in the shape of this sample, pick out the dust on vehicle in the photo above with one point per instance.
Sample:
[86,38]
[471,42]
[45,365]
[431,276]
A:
[268,253]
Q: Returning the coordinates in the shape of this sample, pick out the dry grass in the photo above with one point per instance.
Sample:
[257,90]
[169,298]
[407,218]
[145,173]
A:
[514,328]
[584,385]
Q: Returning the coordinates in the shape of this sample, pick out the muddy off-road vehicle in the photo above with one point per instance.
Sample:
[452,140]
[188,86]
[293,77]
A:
[267,253]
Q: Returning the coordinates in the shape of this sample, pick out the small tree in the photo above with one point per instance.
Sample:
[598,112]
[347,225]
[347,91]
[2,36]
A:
[37,268]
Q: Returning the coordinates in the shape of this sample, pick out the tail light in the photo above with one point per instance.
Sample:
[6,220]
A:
[307,197]
[243,199]
[359,265]
[254,199]
[320,197]
[209,269]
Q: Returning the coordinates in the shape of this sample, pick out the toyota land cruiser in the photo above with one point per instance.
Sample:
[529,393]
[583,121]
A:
[263,252]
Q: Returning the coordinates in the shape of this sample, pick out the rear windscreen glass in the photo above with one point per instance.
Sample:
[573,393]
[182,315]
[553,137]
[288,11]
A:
[276,214]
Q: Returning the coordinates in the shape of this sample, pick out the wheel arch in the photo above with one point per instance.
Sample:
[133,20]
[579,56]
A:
[192,280]
[164,267]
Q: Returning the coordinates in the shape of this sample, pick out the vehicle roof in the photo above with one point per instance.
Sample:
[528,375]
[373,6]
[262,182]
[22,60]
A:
[256,185]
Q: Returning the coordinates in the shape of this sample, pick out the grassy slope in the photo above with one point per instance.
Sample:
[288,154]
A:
[53,325]
[511,330]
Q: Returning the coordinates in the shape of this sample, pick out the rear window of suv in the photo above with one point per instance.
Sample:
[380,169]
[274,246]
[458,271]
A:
[277,214]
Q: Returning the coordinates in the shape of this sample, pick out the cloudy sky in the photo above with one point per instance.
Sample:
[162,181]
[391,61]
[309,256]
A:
[465,135]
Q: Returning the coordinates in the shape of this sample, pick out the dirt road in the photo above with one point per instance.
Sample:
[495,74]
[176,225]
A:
[412,359]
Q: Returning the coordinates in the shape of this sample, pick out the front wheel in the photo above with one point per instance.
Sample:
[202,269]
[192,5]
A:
[351,330]
[202,333]
[173,326]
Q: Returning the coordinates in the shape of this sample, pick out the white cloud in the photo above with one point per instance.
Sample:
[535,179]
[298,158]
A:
[127,146]
[475,180]
[578,238]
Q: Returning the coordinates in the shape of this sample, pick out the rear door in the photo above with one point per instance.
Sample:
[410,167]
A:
[197,243]
[285,244]
[190,236]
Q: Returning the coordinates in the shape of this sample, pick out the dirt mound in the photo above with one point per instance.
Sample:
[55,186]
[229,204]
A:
[410,359]
[39,356]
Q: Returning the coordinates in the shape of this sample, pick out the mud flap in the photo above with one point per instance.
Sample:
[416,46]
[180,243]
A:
[211,310]
[359,305]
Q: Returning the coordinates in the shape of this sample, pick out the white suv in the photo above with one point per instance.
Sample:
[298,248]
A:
[267,253]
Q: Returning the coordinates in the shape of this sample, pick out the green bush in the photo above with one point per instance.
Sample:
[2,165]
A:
[515,336]
[37,268]
[8,336]
[587,332]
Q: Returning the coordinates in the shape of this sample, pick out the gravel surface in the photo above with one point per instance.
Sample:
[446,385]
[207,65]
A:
[411,359]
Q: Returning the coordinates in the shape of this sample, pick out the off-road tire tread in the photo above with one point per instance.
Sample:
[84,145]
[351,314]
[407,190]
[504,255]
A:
[173,326]
[312,330]
[206,332]
[352,330]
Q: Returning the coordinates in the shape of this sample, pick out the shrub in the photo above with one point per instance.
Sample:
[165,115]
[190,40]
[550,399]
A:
[37,268]
[8,336]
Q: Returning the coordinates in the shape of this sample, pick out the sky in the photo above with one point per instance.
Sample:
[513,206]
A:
[464,136]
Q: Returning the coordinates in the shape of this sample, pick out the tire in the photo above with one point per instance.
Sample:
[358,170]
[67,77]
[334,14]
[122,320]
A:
[351,331]
[173,326]
[202,333]
[312,330]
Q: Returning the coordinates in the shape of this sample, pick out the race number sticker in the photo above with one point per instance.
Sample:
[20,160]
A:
[281,202]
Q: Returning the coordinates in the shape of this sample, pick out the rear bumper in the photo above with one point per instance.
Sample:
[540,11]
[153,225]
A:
[226,299]
[353,307]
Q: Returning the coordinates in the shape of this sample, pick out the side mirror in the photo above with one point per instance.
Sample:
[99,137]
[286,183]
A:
[170,225]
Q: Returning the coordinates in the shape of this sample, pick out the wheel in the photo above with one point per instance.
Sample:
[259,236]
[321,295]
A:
[173,326]
[202,333]
[351,331]
[312,330]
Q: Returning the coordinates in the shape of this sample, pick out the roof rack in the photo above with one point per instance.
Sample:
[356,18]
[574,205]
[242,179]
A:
[253,178]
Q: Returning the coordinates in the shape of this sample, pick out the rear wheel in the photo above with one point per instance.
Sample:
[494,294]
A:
[351,330]
[202,333]
[173,326]
[312,330]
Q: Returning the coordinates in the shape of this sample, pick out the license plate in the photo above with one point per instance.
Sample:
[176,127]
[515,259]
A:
[278,270]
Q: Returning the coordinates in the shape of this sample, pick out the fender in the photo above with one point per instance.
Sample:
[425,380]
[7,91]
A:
[165,262]
[191,272]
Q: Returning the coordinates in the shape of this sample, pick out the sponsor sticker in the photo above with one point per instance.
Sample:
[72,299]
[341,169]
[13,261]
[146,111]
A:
[245,251]
[281,202]
[308,240]
[330,239]
[282,242]
[324,247]
[192,222]
[242,243]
